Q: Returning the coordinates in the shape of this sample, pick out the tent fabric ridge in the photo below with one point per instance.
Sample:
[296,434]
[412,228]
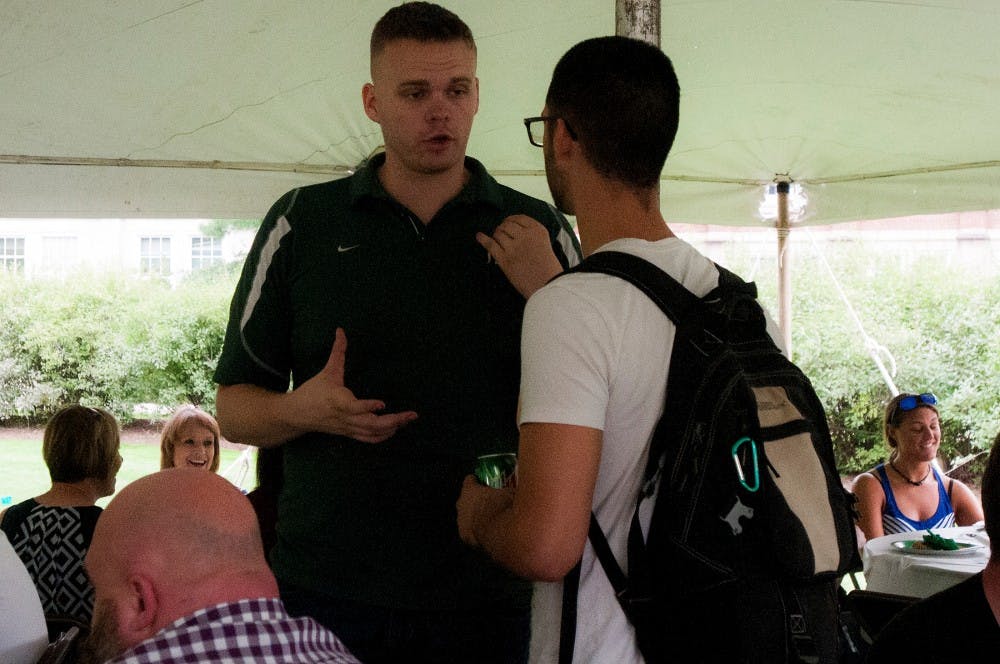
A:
[922,170]
[176,163]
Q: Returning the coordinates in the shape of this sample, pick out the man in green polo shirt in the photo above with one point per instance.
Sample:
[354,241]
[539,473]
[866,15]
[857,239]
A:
[377,436]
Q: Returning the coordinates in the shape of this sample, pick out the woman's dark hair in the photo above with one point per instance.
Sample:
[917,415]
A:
[81,443]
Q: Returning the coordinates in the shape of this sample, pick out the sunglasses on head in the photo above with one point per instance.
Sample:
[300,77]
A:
[911,401]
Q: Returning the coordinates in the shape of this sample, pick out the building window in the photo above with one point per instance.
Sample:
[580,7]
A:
[154,255]
[205,252]
[12,254]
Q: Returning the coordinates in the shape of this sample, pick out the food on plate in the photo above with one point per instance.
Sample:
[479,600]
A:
[934,541]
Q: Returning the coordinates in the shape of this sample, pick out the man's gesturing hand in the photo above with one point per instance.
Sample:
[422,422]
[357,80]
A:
[329,407]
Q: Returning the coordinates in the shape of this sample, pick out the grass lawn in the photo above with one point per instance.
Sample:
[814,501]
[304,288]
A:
[23,473]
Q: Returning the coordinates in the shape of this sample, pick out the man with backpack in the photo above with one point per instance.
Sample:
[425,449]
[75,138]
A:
[596,357]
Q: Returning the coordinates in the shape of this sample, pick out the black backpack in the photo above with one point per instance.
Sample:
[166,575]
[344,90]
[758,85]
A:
[752,529]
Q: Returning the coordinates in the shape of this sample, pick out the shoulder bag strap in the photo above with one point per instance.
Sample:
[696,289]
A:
[567,626]
[571,586]
[681,306]
[669,295]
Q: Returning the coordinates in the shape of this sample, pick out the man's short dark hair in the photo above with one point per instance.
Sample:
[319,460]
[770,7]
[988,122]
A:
[991,497]
[620,97]
[422,21]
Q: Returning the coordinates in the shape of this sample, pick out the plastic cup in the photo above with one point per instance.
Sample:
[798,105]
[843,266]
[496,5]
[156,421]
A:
[498,471]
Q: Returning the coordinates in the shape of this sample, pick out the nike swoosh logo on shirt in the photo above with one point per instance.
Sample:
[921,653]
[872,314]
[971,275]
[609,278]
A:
[341,249]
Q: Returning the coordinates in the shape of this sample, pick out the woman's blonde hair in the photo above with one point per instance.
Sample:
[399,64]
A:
[171,432]
[80,443]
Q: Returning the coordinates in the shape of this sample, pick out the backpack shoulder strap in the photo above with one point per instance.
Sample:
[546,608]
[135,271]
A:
[688,312]
[677,302]
[571,586]
[729,281]
[701,322]
[567,626]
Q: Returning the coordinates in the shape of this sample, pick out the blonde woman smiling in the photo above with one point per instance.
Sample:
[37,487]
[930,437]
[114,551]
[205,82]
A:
[190,438]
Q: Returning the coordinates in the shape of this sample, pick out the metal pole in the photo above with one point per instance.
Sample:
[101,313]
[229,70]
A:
[784,269]
[639,19]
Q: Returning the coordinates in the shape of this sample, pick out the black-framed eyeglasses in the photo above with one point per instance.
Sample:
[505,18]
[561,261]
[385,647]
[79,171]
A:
[536,128]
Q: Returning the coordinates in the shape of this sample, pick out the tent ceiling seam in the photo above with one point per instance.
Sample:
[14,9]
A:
[347,170]
[176,163]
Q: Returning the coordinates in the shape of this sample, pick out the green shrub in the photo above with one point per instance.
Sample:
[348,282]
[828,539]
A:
[119,341]
[111,340]
[933,333]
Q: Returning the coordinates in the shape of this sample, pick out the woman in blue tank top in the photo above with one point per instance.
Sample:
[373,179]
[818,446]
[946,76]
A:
[907,493]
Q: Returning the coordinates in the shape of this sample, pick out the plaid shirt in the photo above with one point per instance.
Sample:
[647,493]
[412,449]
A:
[250,630]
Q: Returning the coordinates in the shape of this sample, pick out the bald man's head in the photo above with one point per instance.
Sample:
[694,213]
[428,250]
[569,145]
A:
[191,512]
[169,544]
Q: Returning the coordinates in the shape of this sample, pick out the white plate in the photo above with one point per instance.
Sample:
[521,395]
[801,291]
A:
[966,547]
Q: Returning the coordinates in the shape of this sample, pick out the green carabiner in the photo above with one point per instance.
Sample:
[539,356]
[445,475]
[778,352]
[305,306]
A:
[739,469]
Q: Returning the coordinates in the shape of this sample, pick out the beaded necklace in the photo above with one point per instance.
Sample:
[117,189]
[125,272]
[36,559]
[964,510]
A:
[914,483]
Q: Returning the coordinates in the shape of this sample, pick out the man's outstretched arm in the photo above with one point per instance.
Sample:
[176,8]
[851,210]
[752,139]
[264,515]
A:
[254,415]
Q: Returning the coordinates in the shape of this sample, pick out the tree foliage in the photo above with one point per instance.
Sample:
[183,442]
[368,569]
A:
[933,326]
[119,341]
[110,339]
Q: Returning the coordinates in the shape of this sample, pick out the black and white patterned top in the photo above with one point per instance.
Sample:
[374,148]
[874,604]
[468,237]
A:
[52,543]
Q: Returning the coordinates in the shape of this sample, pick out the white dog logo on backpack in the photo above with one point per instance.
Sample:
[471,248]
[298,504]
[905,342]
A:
[733,518]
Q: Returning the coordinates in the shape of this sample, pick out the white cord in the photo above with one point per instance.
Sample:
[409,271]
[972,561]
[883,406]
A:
[874,348]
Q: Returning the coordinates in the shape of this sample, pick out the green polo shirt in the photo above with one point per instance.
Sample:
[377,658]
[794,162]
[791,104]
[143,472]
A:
[431,326]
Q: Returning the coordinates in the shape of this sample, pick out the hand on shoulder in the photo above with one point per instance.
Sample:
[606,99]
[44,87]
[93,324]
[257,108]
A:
[522,248]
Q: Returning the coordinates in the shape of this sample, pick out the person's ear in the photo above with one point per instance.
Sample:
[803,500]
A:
[562,143]
[369,101]
[140,610]
[475,108]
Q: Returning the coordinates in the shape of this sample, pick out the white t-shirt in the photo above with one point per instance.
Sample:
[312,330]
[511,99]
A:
[595,352]
[23,634]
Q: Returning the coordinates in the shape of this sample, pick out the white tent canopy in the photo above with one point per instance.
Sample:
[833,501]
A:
[213,108]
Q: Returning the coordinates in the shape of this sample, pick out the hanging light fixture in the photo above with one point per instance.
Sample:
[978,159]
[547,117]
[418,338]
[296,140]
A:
[797,201]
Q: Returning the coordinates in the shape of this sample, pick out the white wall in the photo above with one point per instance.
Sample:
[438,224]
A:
[52,246]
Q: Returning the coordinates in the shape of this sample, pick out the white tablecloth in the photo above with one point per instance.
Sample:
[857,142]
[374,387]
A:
[890,570]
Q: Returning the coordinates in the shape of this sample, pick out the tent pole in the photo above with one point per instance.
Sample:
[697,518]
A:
[639,19]
[784,268]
